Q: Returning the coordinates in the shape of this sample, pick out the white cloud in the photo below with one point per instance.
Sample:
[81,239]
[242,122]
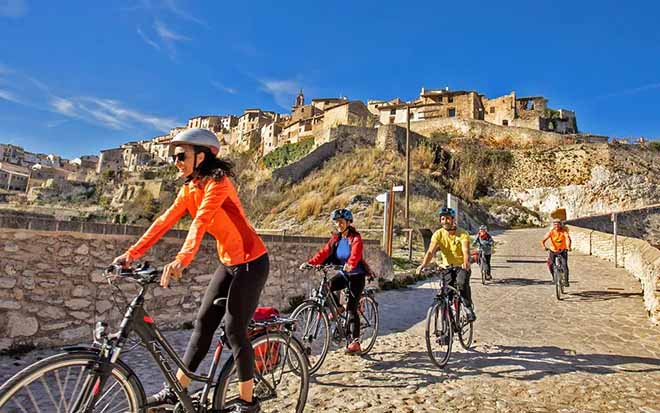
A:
[631,91]
[224,88]
[63,106]
[173,7]
[27,91]
[282,91]
[13,8]
[147,40]
[168,34]
[9,96]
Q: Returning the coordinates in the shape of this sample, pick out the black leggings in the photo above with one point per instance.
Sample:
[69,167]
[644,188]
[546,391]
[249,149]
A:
[355,284]
[241,285]
[461,279]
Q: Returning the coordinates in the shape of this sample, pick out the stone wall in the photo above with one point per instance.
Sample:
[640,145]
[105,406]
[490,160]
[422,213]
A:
[637,256]
[584,179]
[509,135]
[52,287]
[393,137]
[341,139]
[642,223]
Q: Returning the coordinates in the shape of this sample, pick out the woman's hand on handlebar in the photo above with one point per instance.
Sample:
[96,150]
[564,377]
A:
[125,260]
[171,270]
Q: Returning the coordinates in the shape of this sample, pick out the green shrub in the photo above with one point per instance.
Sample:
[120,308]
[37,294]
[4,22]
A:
[655,145]
[288,153]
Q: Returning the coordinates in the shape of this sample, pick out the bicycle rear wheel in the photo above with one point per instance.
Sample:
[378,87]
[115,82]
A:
[482,267]
[313,331]
[281,376]
[368,311]
[439,334]
[67,382]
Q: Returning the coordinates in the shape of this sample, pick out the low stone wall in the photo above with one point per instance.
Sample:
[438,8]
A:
[336,140]
[503,134]
[52,287]
[642,223]
[393,137]
[637,256]
[296,171]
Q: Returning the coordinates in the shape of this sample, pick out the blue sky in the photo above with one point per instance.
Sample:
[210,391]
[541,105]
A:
[77,78]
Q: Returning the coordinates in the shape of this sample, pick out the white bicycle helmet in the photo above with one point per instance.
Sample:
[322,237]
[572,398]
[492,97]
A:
[198,137]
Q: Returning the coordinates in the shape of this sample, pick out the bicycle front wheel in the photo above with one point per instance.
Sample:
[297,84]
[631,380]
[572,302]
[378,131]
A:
[465,327]
[559,288]
[313,331]
[439,334]
[281,376]
[368,311]
[68,382]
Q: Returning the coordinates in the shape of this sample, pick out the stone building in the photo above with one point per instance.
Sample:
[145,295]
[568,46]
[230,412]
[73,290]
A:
[528,112]
[14,177]
[214,123]
[271,132]
[247,133]
[352,113]
[433,104]
[84,162]
[508,110]
[110,160]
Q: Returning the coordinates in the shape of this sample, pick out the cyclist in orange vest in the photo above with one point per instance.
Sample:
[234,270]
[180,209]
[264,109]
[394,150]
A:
[560,244]
[211,199]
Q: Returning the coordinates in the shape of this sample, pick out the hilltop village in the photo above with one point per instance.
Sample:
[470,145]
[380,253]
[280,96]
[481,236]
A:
[262,131]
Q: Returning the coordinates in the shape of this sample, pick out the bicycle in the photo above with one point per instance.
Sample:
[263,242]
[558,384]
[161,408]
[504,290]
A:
[557,267]
[446,317]
[482,267]
[94,379]
[314,324]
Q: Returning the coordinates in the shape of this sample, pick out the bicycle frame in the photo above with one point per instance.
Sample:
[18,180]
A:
[451,297]
[138,321]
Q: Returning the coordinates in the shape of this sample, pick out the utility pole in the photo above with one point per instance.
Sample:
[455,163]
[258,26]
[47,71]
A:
[407,212]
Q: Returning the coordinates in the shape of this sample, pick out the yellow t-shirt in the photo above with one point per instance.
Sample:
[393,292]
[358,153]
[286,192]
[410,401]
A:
[450,245]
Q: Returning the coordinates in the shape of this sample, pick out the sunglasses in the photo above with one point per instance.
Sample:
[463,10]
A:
[178,157]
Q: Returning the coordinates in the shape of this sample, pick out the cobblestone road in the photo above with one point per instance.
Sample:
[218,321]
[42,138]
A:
[594,351]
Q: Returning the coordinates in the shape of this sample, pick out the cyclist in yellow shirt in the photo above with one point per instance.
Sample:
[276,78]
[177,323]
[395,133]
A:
[454,244]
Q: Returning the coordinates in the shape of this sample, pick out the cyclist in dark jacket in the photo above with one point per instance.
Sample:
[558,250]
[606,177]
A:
[345,248]
[485,243]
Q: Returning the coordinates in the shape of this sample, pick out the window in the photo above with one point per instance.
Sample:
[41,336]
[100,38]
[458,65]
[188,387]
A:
[505,122]
[393,112]
[450,99]
[451,112]
[492,109]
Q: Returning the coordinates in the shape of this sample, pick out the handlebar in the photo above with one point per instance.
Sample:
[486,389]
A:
[140,273]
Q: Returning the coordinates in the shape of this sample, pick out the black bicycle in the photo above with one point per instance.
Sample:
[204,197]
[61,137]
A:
[95,379]
[313,328]
[482,267]
[446,317]
[558,269]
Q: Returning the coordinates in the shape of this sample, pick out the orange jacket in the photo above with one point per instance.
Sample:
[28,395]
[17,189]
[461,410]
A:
[558,238]
[215,207]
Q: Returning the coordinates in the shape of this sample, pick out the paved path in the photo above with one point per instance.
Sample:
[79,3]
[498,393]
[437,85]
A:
[594,351]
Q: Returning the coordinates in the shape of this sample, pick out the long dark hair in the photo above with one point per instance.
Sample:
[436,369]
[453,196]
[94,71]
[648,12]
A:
[212,166]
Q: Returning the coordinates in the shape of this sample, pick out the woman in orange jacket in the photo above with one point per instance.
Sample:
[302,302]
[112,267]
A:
[210,198]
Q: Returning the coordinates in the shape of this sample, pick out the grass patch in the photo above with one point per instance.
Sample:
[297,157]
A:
[288,153]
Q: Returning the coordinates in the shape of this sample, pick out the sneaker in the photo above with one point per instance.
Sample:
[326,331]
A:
[164,398]
[241,406]
[488,277]
[354,347]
